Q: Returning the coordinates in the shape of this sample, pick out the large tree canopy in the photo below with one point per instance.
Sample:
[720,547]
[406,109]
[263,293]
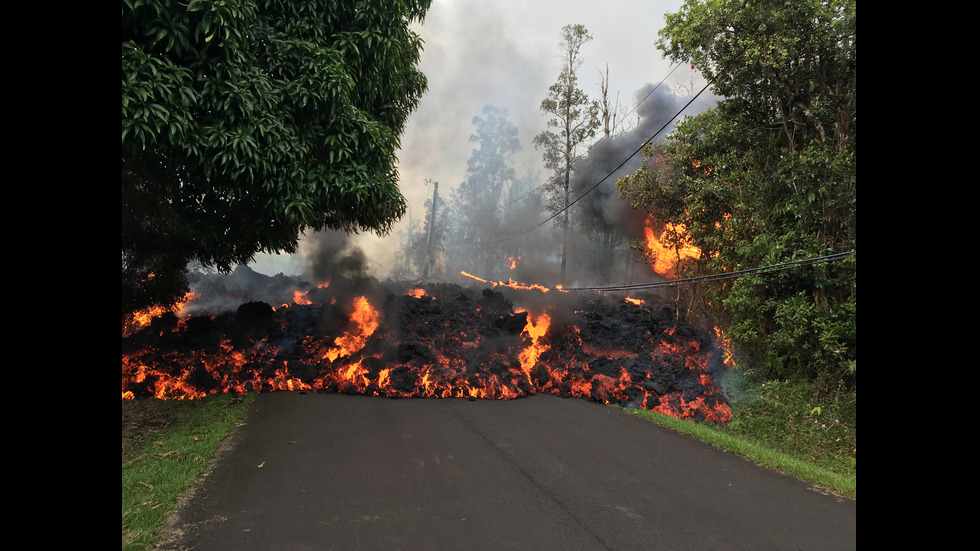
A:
[768,176]
[790,64]
[246,123]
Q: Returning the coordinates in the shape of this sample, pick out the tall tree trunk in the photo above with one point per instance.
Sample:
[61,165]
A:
[428,240]
[568,173]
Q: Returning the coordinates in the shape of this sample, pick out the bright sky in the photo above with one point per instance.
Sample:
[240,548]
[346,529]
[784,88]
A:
[506,53]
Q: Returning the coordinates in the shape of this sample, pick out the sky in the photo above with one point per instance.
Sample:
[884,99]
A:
[506,53]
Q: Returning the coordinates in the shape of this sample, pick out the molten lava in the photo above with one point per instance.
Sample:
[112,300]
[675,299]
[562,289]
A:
[365,320]
[141,319]
[511,283]
[536,330]
[440,341]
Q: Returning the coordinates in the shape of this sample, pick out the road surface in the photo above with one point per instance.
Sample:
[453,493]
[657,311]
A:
[336,472]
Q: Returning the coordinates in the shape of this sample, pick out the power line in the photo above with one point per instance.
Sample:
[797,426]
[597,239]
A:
[646,97]
[634,108]
[498,207]
[588,191]
[721,276]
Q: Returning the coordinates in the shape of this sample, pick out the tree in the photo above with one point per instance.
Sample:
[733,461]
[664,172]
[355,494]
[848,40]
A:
[432,229]
[424,245]
[768,176]
[488,168]
[791,63]
[576,119]
[608,112]
[477,201]
[247,123]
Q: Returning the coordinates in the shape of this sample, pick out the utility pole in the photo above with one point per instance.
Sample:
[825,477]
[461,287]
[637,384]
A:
[427,261]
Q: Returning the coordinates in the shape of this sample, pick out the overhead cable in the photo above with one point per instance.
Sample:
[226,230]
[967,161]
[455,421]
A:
[720,276]
[588,191]
[646,97]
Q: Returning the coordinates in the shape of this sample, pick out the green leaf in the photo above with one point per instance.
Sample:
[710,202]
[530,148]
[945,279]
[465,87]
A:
[241,120]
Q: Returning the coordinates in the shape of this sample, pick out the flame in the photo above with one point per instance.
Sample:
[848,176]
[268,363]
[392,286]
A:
[448,353]
[282,380]
[357,375]
[416,293]
[531,286]
[510,283]
[138,320]
[365,317]
[474,277]
[144,317]
[728,357]
[512,262]
[698,164]
[536,329]
[636,301]
[299,297]
[665,259]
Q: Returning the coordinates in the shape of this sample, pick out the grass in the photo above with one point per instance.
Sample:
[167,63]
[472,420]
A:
[167,446]
[788,427]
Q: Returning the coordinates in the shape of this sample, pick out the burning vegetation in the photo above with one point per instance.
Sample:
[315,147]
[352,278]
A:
[438,340]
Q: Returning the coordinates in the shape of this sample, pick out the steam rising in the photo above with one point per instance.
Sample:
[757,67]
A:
[501,54]
[506,54]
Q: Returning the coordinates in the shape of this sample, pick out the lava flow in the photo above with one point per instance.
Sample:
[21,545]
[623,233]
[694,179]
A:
[434,341]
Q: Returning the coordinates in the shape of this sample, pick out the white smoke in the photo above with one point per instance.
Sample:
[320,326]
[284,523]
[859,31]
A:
[506,54]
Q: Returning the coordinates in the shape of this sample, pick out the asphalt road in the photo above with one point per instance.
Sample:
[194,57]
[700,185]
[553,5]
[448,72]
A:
[336,472]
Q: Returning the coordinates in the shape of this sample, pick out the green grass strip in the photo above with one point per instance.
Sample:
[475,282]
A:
[163,462]
[820,477]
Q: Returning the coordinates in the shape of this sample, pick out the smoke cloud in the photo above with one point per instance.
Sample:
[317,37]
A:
[616,156]
[506,54]
[330,254]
